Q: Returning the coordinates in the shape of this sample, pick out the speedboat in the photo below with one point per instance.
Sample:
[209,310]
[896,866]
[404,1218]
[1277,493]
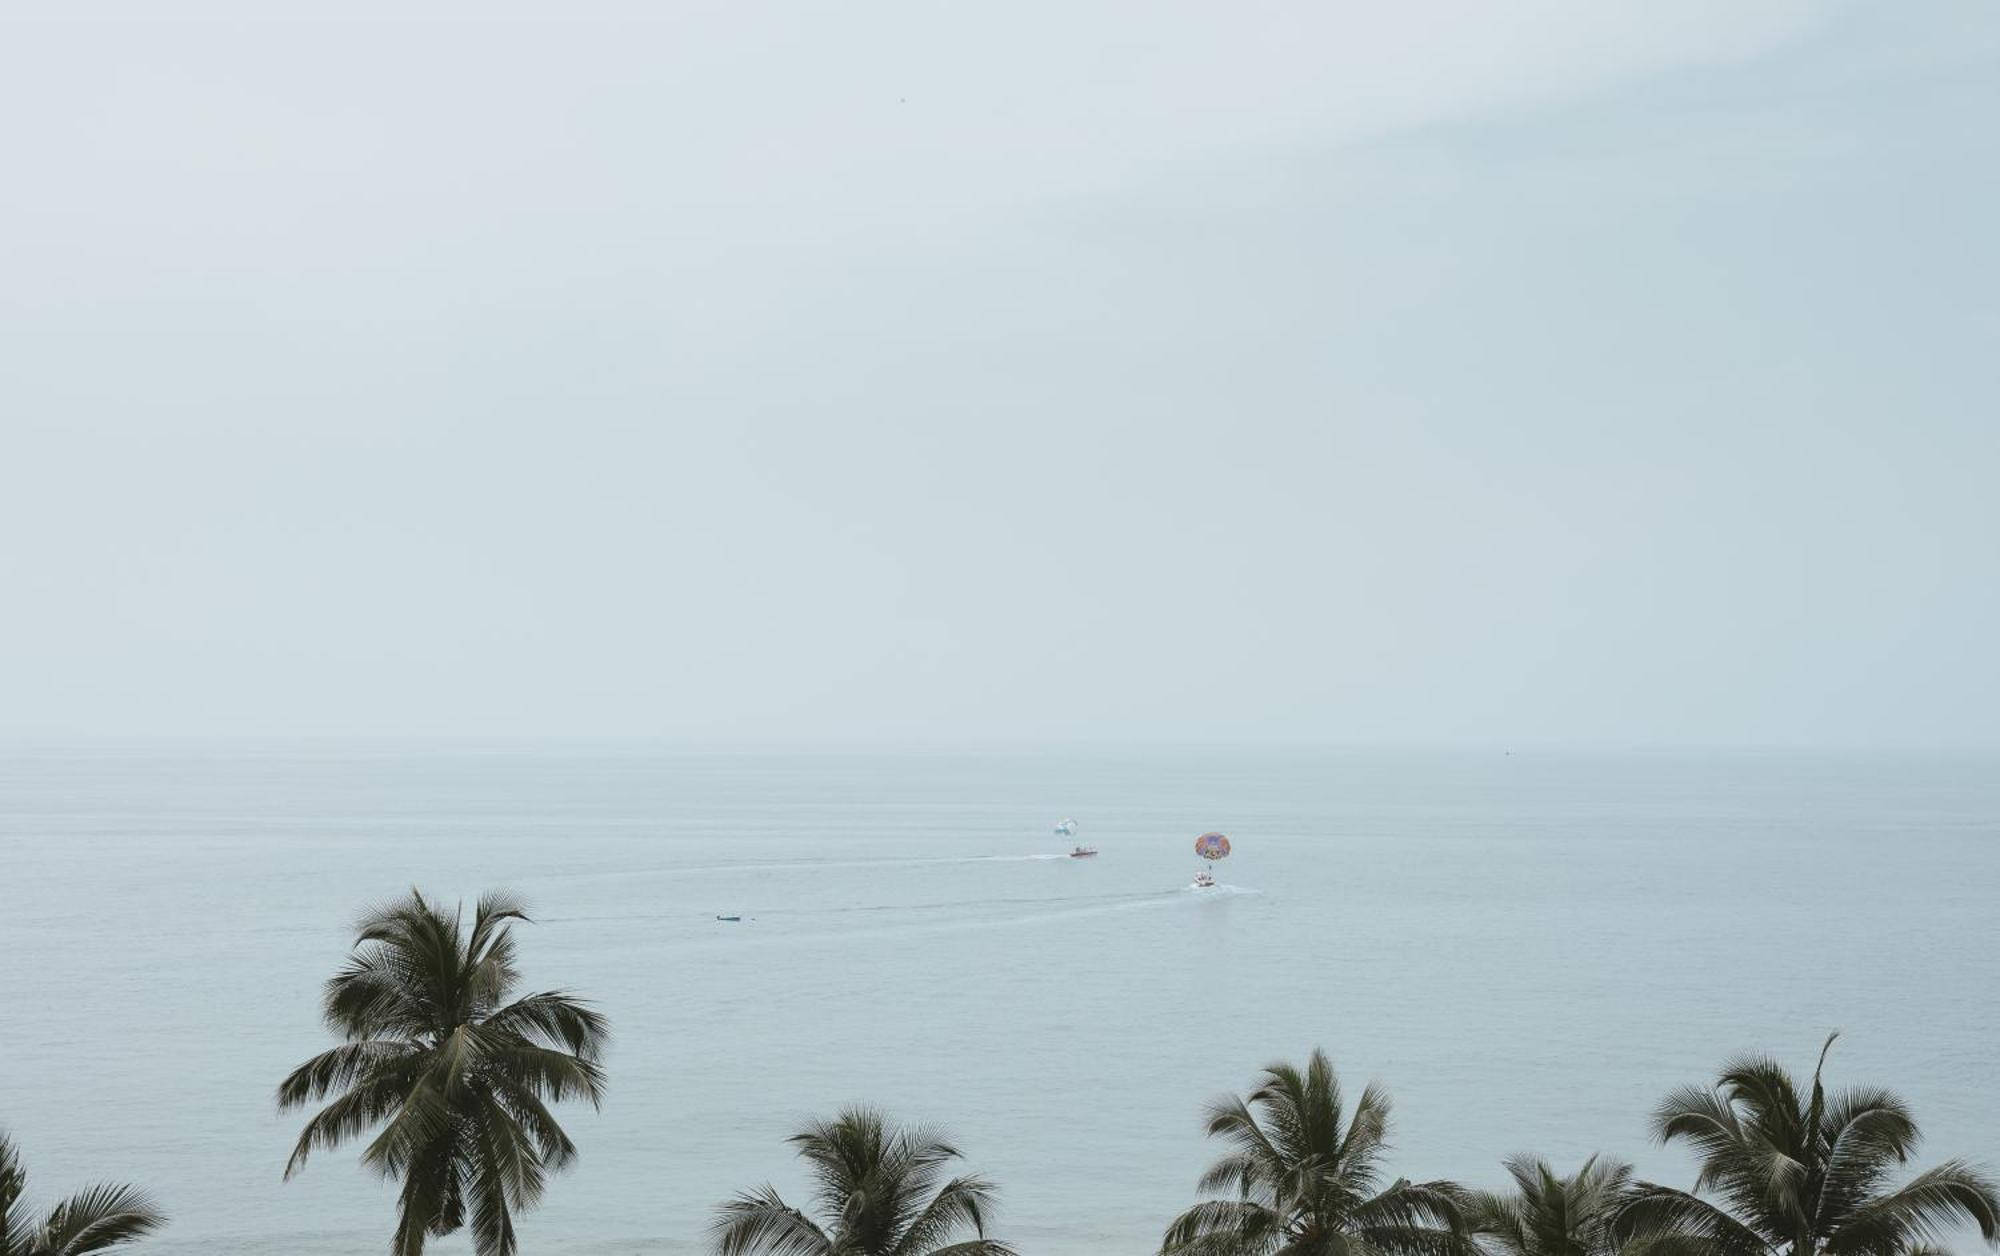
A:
[730,919]
[1083,852]
[1203,880]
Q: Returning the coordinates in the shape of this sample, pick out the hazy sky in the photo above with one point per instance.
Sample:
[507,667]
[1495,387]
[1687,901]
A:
[1555,371]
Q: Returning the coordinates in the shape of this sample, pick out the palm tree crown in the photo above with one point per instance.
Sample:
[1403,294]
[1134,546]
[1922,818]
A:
[1550,1215]
[880,1191]
[458,1078]
[1800,1176]
[95,1220]
[1301,1181]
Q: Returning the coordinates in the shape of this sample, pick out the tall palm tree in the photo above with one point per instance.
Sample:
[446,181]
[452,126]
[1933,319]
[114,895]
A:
[1299,1182]
[1800,1176]
[457,1078]
[1550,1215]
[95,1220]
[880,1191]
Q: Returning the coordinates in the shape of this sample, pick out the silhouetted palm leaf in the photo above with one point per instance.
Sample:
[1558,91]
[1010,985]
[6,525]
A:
[95,1220]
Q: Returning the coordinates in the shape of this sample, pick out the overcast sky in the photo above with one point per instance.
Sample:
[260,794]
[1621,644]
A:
[1555,371]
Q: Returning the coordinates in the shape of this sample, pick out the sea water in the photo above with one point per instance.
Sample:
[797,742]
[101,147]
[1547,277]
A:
[1527,949]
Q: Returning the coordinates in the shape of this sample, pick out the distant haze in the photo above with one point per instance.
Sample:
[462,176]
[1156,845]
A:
[1561,371]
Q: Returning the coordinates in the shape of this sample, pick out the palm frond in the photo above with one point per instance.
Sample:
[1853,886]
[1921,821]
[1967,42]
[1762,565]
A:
[1219,1226]
[555,1019]
[1502,1220]
[552,1144]
[555,1076]
[492,1220]
[506,1157]
[505,1175]
[1415,1241]
[760,1223]
[1322,1107]
[1669,1244]
[490,971]
[1358,1161]
[1924,1211]
[1232,1119]
[1280,1102]
[378,992]
[1864,1134]
[493,911]
[1416,1205]
[1701,1117]
[14,1226]
[1654,1212]
[419,1131]
[99,1219]
[339,1069]
[351,1115]
[1762,1086]
[844,1155]
[961,1203]
[428,1203]
[1237,1173]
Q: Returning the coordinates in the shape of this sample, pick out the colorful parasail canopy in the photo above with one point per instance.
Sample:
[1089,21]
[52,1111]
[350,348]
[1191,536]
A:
[1212,846]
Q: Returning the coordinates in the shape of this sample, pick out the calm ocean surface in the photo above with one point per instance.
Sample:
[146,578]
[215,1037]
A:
[1528,950]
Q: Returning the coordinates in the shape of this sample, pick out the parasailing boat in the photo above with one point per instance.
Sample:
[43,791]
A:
[1210,846]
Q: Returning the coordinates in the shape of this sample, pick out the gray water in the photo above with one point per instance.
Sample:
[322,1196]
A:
[1527,950]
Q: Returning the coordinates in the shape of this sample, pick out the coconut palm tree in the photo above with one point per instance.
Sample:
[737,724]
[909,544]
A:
[95,1220]
[1299,1182]
[1550,1215]
[458,1078]
[880,1191]
[1800,1176]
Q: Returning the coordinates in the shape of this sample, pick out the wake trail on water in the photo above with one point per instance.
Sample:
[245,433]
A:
[799,865]
[875,921]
